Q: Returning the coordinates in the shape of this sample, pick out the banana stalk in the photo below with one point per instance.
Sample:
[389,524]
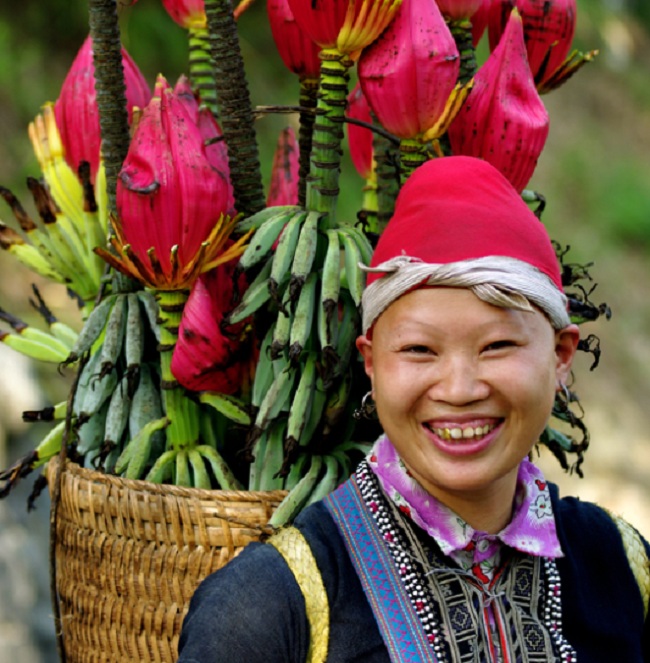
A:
[111,90]
[325,166]
[308,102]
[183,413]
[412,153]
[235,109]
[462,33]
[202,69]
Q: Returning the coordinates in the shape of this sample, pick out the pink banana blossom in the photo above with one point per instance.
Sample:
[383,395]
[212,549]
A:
[504,120]
[283,189]
[409,73]
[76,112]
[210,356]
[458,10]
[297,50]
[172,201]
[360,138]
[549,27]
[345,25]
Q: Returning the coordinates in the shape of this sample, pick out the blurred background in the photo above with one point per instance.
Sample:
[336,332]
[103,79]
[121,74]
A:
[594,173]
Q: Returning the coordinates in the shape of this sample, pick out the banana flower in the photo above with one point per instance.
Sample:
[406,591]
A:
[409,73]
[344,25]
[360,138]
[297,50]
[172,201]
[210,356]
[458,10]
[504,120]
[283,189]
[549,27]
[76,112]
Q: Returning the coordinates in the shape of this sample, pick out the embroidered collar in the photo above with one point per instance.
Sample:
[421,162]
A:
[531,530]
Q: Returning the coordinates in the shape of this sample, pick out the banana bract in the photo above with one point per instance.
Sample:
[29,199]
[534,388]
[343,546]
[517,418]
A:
[459,9]
[408,74]
[346,25]
[283,188]
[549,27]
[296,48]
[504,120]
[173,199]
[208,355]
[76,112]
[187,13]
[360,138]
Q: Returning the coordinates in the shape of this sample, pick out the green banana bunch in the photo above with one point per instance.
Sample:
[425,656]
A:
[306,277]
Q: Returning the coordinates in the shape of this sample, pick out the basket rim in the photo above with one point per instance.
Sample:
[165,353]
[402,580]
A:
[141,485]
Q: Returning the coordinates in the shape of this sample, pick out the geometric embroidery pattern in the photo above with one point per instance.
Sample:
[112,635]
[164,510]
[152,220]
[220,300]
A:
[517,618]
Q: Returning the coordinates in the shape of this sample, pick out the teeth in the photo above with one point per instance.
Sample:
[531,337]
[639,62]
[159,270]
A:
[468,433]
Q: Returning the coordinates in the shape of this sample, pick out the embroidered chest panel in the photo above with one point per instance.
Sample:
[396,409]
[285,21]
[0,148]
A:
[516,618]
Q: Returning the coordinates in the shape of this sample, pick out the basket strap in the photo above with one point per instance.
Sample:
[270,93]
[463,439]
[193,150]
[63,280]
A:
[293,546]
[637,557]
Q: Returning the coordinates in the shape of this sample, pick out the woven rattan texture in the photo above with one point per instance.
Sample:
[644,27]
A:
[129,555]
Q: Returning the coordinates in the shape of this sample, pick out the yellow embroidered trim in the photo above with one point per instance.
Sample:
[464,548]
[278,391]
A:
[637,557]
[291,544]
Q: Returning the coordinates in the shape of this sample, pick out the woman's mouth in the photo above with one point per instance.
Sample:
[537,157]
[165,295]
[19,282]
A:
[462,433]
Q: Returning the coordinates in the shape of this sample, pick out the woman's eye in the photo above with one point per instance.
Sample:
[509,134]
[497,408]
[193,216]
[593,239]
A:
[417,349]
[499,345]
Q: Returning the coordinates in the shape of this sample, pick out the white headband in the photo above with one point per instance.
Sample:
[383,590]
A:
[499,280]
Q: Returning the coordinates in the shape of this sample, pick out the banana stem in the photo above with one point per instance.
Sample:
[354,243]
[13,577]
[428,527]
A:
[182,412]
[412,154]
[462,34]
[110,89]
[388,182]
[325,163]
[202,69]
[308,102]
[235,108]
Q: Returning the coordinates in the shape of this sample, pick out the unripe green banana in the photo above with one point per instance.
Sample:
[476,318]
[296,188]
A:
[328,482]
[261,244]
[355,278]
[285,251]
[298,496]
[264,374]
[302,401]
[150,306]
[303,318]
[134,333]
[305,253]
[281,329]
[257,295]
[296,471]
[92,328]
[222,473]
[258,219]
[182,476]
[362,242]
[276,397]
[90,433]
[231,407]
[138,452]
[114,334]
[34,349]
[273,460]
[117,417]
[163,468]
[200,476]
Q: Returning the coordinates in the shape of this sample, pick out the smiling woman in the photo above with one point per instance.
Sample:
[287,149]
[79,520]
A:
[447,544]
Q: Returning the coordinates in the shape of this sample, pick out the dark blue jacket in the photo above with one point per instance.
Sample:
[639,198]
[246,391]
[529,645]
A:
[252,610]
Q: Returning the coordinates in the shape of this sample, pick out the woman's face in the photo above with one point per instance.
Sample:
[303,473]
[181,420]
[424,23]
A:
[464,389]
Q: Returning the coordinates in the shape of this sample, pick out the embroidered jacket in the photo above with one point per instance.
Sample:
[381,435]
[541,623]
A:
[584,607]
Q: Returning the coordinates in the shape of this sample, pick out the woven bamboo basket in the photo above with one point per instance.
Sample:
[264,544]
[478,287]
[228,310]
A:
[129,554]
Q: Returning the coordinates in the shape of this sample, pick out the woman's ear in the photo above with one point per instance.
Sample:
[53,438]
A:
[566,345]
[364,345]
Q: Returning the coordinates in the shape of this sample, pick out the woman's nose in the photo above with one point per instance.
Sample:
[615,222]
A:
[459,381]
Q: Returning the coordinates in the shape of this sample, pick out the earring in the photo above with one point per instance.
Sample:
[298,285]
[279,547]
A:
[565,392]
[367,407]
